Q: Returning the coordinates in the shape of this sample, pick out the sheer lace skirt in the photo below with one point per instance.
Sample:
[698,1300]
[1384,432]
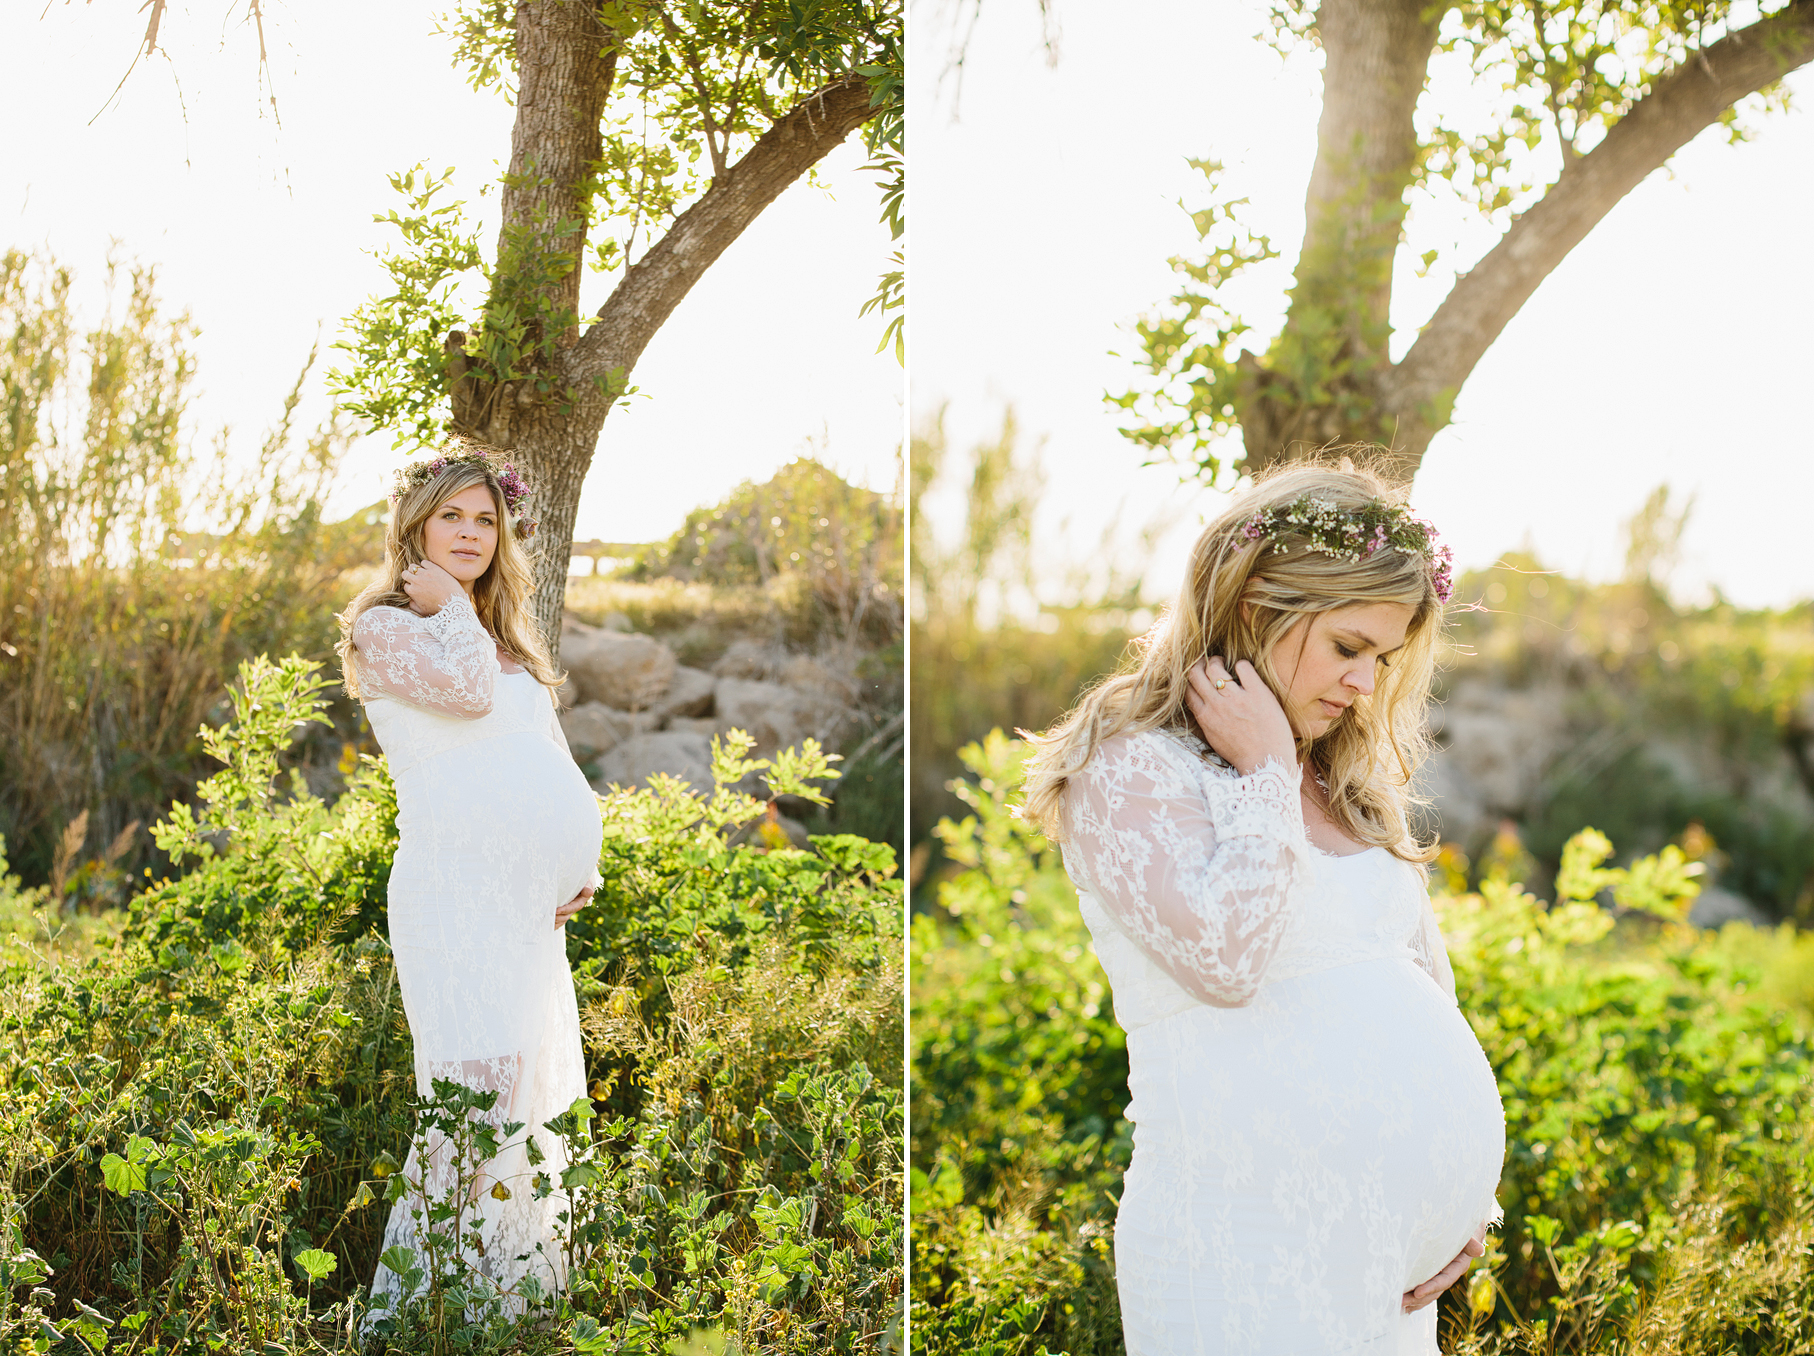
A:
[495,836]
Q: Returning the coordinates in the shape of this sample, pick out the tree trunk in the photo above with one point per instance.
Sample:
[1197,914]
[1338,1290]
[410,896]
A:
[1328,379]
[1319,386]
[566,61]
[566,71]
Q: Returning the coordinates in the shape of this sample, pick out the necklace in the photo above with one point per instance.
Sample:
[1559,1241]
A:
[1319,801]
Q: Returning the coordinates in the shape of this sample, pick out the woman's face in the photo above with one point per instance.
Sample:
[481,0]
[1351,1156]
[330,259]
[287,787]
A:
[462,535]
[1330,658]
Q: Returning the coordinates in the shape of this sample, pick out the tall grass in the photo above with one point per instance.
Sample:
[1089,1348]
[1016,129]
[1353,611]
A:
[207,1100]
[988,651]
[142,567]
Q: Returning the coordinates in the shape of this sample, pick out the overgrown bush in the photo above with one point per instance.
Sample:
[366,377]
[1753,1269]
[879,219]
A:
[141,568]
[203,1108]
[1657,1116]
[826,552]
[802,562]
[1652,684]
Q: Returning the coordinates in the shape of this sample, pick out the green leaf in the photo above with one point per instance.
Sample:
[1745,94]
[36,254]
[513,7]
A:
[317,1264]
[580,1175]
[587,1337]
[121,1176]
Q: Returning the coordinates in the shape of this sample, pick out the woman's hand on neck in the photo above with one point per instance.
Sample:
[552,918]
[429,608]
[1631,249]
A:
[430,588]
[1239,716]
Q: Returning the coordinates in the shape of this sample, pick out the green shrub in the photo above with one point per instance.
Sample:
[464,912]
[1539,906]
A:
[826,553]
[203,1112]
[141,568]
[1657,1114]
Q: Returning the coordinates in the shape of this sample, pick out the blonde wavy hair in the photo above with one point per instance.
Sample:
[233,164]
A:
[500,596]
[1369,756]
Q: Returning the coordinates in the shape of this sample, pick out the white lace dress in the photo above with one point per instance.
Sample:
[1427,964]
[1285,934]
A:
[497,828]
[1316,1129]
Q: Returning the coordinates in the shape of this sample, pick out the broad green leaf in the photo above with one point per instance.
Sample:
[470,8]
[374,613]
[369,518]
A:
[316,1263]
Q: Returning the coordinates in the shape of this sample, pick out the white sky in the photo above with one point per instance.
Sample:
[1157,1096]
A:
[1672,345]
[263,234]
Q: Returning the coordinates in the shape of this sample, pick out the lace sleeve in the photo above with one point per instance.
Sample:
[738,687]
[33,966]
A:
[1431,953]
[1194,865]
[447,662]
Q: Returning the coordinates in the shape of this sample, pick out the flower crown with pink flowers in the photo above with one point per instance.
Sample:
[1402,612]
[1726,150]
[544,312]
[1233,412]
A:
[515,488]
[1354,534]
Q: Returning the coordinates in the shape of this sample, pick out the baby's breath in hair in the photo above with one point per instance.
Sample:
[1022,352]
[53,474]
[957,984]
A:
[515,488]
[1353,534]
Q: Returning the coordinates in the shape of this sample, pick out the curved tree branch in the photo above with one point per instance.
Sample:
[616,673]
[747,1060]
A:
[656,283]
[1682,104]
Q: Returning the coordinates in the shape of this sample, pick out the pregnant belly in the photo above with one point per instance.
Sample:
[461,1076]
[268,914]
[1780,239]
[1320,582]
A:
[1345,1126]
[493,837]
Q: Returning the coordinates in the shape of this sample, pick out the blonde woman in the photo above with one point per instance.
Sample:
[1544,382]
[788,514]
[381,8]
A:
[1317,1134]
[499,839]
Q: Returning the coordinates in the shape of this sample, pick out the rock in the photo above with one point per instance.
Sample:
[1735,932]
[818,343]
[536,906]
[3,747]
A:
[810,675]
[1715,907]
[750,659]
[592,728]
[689,694]
[705,725]
[779,717]
[680,753]
[1496,745]
[617,621]
[625,672]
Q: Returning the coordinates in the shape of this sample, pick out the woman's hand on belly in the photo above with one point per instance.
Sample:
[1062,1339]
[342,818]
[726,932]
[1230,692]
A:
[1454,1271]
[572,906]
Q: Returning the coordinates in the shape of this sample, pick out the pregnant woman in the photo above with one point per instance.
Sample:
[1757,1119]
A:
[499,840]
[1317,1134]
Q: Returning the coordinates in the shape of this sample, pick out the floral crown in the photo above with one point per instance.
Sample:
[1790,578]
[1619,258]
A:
[1354,534]
[515,488]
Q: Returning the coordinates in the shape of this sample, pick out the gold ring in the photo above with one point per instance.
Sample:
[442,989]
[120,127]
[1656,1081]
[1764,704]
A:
[1221,683]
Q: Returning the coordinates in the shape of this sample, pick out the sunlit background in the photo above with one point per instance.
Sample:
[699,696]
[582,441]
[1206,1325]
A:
[1673,345]
[1614,690]
[254,199]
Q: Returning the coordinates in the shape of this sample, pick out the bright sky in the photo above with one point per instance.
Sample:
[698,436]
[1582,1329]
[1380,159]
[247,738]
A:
[263,234]
[1672,345]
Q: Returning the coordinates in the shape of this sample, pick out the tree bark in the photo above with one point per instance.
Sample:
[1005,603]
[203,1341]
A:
[1357,197]
[566,70]
[1375,55]
[1682,105]
[566,61]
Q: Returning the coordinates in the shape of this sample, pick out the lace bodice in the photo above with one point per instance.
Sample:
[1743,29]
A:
[431,684]
[1210,886]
